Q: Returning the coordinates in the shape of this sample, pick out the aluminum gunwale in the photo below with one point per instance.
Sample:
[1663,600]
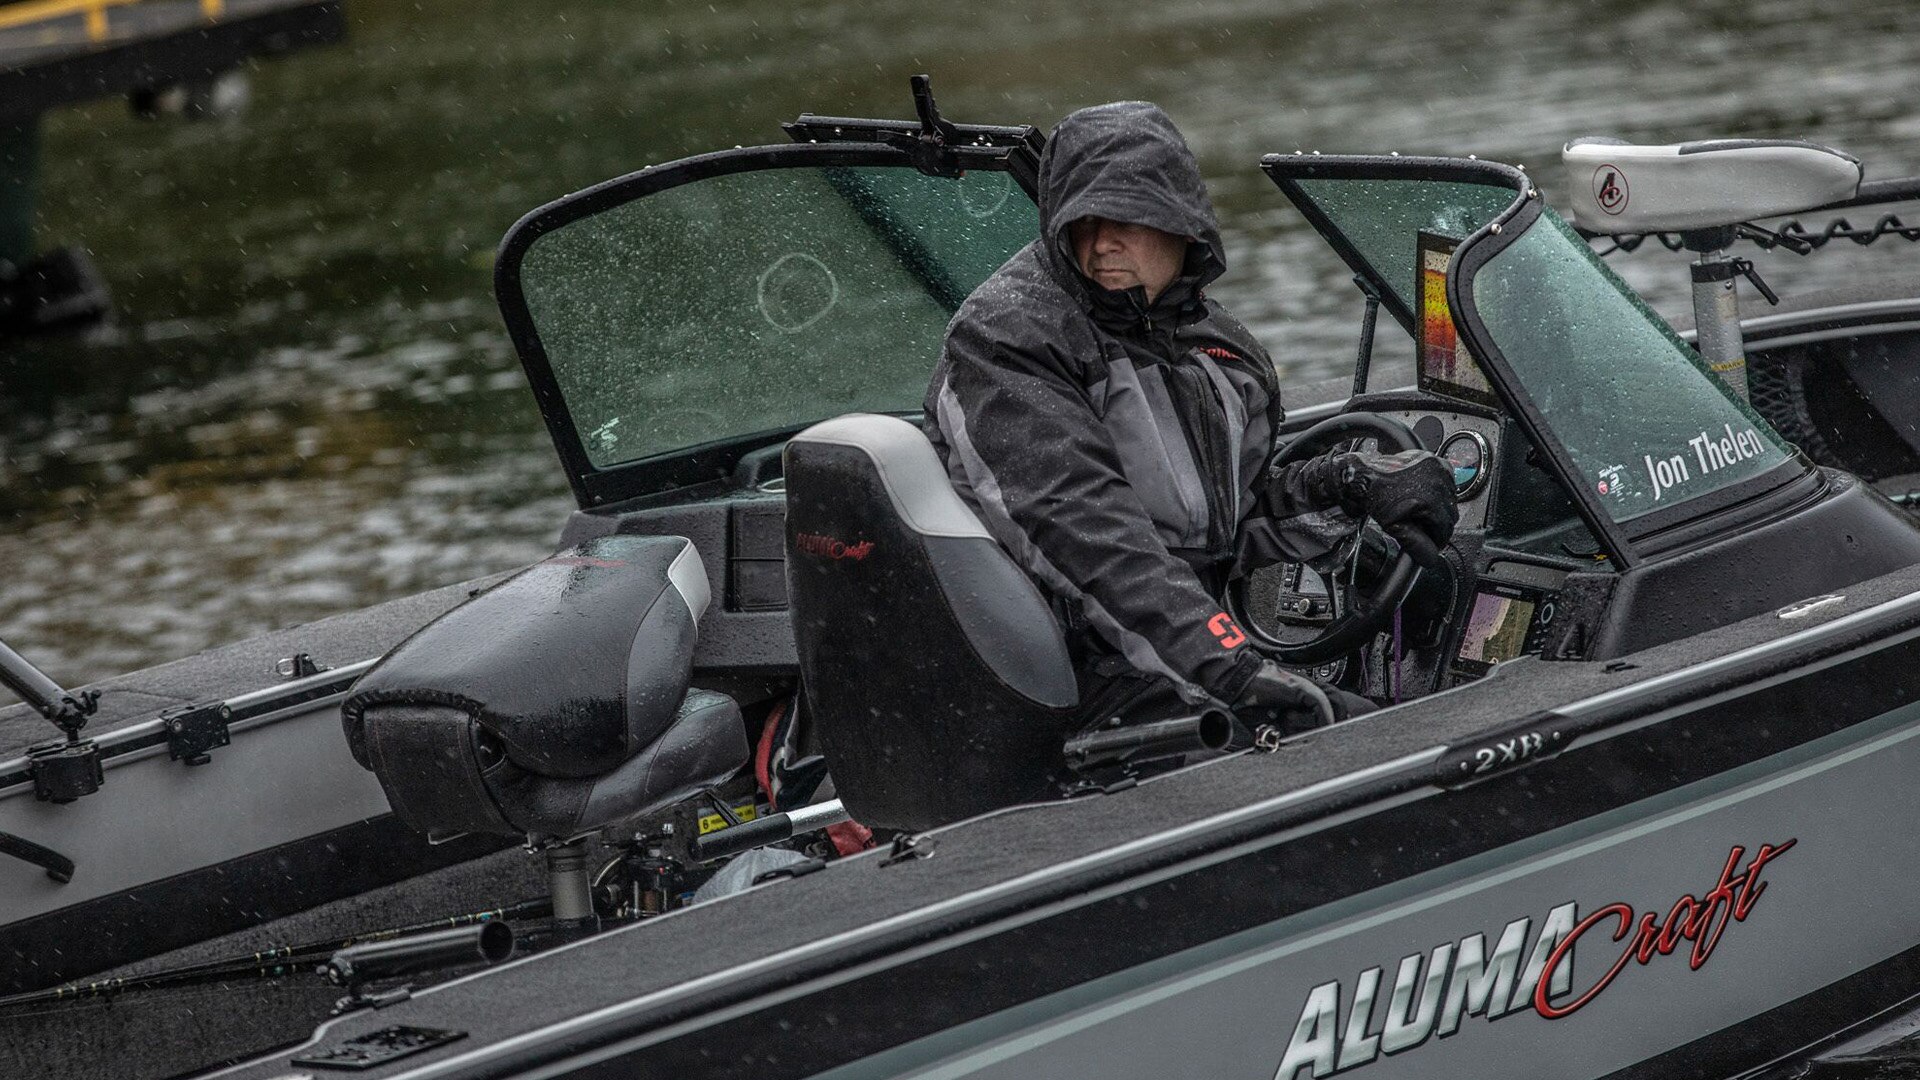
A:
[1858,330]
[1760,325]
[1388,779]
[150,735]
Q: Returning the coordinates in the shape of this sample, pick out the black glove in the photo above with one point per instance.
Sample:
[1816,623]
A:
[1294,703]
[1409,493]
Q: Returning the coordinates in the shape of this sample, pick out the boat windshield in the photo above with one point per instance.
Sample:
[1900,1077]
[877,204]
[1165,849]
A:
[762,300]
[1646,423]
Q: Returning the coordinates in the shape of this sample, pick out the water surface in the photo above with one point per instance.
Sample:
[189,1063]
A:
[306,403]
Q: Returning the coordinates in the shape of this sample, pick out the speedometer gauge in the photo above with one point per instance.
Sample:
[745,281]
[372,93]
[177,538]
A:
[1466,453]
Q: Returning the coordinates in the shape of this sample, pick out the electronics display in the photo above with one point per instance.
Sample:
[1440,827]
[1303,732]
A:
[1445,366]
[1507,621]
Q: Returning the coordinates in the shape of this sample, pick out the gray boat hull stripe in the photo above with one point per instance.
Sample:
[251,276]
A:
[1242,956]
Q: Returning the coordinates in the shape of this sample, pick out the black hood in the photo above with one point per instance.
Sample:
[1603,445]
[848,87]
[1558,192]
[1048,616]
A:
[1126,162]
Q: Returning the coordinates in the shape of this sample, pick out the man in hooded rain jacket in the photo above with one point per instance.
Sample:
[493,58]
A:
[1111,426]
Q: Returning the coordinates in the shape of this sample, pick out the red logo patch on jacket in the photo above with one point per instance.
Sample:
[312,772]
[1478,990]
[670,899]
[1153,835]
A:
[1227,631]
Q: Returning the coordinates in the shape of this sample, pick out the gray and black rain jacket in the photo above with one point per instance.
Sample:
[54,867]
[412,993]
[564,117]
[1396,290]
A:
[1117,449]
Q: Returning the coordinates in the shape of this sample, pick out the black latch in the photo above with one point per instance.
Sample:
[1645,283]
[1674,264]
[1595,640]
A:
[932,146]
[64,771]
[299,666]
[908,847]
[196,729]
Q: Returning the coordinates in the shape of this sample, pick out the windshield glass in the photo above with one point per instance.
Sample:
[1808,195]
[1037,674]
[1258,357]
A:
[764,300]
[1383,220]
[1643,419]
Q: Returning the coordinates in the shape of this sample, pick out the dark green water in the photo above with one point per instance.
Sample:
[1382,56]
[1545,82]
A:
[307,404]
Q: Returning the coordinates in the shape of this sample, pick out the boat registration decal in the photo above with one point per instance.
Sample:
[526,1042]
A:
[1432,993]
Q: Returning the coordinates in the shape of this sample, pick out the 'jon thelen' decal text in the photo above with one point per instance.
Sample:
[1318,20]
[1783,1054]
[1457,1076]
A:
[1709,452]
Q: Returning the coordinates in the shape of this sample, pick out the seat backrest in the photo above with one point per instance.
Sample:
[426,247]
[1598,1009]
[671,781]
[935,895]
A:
[938,678]
[554,702]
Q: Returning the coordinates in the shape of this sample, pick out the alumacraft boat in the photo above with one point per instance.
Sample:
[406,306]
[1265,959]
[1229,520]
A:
[1640,809]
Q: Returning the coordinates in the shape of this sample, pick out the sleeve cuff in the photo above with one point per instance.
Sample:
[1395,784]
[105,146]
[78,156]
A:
[1245,663]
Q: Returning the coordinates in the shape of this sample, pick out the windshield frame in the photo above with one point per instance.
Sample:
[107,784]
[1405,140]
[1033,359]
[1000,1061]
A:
[714,460]
[1626,544]
[1641,535]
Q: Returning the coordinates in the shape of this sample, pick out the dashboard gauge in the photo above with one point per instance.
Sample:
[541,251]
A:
[1467,454]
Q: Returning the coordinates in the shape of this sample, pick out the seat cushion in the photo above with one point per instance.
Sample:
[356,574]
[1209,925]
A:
[555,701]
[572,665]
[440,776]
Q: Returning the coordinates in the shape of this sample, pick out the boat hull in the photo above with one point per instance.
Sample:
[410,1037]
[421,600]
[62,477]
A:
[1224,921]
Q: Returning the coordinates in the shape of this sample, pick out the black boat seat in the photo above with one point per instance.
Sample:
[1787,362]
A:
[937,677]
[1621,187]
[554,703]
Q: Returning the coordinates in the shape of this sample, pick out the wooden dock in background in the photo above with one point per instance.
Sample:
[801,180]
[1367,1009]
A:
[64,52]
[61,52]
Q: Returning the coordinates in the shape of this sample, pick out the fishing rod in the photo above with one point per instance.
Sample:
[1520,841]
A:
[391,951]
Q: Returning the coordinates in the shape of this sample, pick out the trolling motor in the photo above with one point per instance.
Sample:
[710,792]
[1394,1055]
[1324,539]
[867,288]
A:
[1706,192]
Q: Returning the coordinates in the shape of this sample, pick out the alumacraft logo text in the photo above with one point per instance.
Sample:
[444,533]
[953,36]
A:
[1432,993]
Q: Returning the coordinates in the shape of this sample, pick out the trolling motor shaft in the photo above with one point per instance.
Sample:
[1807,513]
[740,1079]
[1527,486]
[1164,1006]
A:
[1716,303]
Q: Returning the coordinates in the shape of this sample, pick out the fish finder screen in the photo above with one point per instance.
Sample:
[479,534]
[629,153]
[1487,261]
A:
[1497,629]
[1445,365]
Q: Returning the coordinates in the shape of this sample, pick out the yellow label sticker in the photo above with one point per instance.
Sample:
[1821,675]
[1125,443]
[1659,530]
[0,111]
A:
[714,822]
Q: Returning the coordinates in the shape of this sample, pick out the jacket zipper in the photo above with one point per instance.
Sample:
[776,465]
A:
[1203,422]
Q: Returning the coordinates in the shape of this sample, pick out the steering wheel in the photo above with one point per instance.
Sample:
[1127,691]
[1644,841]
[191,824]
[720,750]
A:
[1366,615]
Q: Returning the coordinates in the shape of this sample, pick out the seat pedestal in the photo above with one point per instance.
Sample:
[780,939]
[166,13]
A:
[569,879]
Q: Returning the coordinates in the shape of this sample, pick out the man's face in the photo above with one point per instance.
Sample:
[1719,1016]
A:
[1117,256]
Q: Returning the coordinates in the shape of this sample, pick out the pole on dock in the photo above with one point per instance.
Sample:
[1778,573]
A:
[19,184]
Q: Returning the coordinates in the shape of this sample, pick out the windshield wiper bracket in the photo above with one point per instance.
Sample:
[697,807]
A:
[931,146]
